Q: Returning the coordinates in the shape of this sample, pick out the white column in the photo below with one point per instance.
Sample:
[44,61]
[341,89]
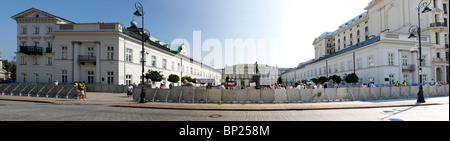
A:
[97,62]
[76,65]
[416,65]
[400,69]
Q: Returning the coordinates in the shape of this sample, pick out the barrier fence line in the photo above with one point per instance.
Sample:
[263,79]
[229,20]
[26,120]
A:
[191,95]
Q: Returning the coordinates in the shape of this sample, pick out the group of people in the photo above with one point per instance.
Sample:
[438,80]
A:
[397,84]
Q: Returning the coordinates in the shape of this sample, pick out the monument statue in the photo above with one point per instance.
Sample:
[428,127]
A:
[257,77]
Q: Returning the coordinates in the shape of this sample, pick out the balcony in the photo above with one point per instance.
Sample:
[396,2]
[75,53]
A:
[48,50]
[438,24]
[87,59]
[439,60]
[409,68]
[31,50]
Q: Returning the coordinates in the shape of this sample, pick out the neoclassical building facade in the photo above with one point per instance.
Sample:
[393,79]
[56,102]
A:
[375,45]
[52,48]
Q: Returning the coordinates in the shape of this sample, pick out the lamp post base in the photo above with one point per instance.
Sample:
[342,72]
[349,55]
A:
[420,98]
[142,96]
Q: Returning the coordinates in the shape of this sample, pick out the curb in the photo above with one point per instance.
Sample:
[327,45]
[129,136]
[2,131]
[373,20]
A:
[304,107]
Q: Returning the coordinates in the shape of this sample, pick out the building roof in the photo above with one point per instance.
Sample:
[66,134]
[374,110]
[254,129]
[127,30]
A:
[31,10]
[349,49]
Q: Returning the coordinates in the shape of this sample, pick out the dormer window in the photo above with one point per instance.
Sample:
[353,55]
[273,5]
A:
[37,16]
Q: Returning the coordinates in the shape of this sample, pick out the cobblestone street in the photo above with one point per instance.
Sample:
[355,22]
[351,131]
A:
[31,111]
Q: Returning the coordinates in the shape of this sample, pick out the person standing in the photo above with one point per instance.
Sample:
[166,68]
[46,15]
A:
[56,83]
[130,90]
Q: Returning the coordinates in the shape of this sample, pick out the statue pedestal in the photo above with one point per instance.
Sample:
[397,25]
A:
[257,80]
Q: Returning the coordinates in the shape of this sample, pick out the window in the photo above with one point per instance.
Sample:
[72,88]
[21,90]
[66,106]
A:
[405,60]
[178,67]
[367,29]
[335,68]
[49,29]
[49,61]
[36,43]
[154,61]
[173,66]
[24,30]
[90,51]
[360,65]
[390,59]
[49,78]
[36,78]
[371,61]
[90,77]
[437,38]
[438,55]
[23,43]
[24,77]
[128,55]
[24,60]
[128,79]
[342,66]
[423,60]
[391,78]
[424,78]
[110,77]
[64,52]
[191,71]
[35,61]
[445,9]
[49,45]
[320,71]
[164,63]
[64,76]
[110,53]
[36,30]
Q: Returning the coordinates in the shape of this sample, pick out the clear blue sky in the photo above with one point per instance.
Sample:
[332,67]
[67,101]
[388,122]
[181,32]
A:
[293,23]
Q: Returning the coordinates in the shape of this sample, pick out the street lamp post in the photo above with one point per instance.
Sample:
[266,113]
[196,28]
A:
[412,31]
[140,13]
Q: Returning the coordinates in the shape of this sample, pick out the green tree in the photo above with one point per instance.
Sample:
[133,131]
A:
[351,78]
[188,78]
[315,80]
[173,78]
[280,80]
[323,79]
[154,76]
[227,79]
[10,67]
[335,78]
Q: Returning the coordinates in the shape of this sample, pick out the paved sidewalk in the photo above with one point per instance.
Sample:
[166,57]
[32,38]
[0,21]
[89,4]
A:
[121,100]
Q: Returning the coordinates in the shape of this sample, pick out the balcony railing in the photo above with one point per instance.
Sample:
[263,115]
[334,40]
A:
[87,58]
[31,50]
[48,50]
[439,60]
[438,24]
[409,67]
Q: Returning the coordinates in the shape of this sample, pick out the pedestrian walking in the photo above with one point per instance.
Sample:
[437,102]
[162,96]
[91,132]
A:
[81,90]
[85,87]
[130,90]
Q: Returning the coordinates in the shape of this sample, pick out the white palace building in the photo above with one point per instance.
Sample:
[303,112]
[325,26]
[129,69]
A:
[375,45]
[52,48]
